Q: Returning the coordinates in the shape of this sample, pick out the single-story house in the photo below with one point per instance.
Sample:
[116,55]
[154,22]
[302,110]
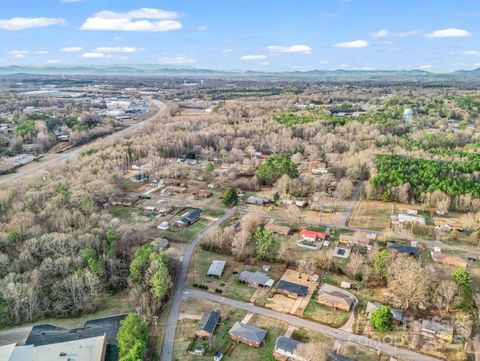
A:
[159,244]
[139,178]
[258,200]
[189,218]
[216,269]
[335,297]
[400,248]
[407,218]
[164,211]
[396,313]
[449,259]
[201,194]
[122,201]
[285,348]
[276,228]
[435,329]
[247,334]
[207,324]
[291,289]
[314,236]
[256,279]
[164,226]
[218,356]
[353,241]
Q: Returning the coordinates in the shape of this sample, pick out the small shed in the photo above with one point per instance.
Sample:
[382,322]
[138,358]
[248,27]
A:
[216,269]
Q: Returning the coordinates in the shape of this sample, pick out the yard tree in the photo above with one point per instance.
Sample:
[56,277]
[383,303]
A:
[209,167]
[380,262]
[160,280]
[382,319]
[408,282]
[344,189]
[230,197]
[293,215]
[274,167]
[266,243]
[463,279]
[444,296]
[132,338]
[111,242]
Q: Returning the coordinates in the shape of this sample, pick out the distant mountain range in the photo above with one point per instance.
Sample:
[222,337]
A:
[155,70]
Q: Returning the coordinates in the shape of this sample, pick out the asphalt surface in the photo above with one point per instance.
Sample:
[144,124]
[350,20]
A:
[56,159]
[340,335]
[180,286]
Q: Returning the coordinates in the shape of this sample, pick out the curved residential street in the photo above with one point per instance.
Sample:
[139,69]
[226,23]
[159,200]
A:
[182,293]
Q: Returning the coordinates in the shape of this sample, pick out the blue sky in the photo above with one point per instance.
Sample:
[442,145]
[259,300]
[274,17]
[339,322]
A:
[272,35]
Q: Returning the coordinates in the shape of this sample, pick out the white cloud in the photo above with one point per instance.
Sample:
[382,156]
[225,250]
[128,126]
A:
[356,44]
[253,57]
[476,64]
[384,33]
[118,49]
[264,63]
[14,24]
[71,49]
[53,61]
[41,52]
[202,28]
[303,49]
[227,51]
[18,54]
[123,57]
[471,53]
[425,67]
[176,60]
[93,55]
[449,33]
[134,20]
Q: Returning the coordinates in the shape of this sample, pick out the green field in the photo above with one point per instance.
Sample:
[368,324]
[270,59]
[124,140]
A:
[324,314]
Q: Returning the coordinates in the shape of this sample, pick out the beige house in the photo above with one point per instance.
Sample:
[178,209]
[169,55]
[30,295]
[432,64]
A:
[335,297]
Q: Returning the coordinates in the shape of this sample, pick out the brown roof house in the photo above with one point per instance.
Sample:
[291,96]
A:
[247,334]
[449,259]
[335,297]
[439,330]
[276,228]
[207,324]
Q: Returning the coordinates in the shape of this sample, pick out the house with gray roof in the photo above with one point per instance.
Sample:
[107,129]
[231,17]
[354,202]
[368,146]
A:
[291,289]
[247,334]
[207,324]
[216,269]
[256,279]
[335,297]
[286,347]
[401,248]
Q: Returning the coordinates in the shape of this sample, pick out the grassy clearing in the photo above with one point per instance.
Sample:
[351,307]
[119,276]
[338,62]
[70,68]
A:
[372,215]
[326,315]
[214,213]
[188,234]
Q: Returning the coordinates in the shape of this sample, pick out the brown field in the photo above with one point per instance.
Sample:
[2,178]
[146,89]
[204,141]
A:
[372,215]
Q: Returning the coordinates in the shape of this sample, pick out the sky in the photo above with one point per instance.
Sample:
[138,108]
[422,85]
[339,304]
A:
[269,35]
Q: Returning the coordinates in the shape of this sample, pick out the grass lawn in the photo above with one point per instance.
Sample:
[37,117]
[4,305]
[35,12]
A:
[324,314]
[188,234]
[228,283]
[214,213]
[124,213]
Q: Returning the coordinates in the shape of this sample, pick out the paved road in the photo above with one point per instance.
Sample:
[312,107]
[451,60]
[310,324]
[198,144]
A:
[15,335]
[180,285]
[338,334]
[55,159]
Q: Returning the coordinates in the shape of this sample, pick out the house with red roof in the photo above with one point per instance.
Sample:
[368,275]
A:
[314,236]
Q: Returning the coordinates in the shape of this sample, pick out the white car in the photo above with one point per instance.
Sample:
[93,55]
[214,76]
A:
[164,226]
